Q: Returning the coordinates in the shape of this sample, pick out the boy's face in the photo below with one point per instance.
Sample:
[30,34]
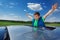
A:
[36,17]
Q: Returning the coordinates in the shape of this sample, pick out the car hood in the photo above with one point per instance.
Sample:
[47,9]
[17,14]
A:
[26,33]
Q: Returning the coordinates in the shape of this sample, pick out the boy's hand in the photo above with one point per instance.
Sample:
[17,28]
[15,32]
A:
[54,6]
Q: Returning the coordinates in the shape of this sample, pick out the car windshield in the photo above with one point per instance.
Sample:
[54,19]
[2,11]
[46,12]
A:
[26,33]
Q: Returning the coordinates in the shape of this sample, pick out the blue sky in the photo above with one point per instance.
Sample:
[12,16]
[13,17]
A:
[15,9]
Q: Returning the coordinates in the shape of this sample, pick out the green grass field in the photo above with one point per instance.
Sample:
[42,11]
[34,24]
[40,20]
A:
[53,24]
[3,23]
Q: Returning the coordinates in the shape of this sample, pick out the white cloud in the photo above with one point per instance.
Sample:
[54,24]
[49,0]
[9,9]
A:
[25,10]
[34,6]
[8,5]
[9,17]
[12,3]
[12,14]
[51,19]
[11,6]
[13,17]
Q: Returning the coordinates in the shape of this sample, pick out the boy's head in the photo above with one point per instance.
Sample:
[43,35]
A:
[36,15]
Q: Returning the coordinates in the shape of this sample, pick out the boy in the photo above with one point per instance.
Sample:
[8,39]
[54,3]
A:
[38,21]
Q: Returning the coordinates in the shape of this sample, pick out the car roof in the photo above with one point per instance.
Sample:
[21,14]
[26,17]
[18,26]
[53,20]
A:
[26,33]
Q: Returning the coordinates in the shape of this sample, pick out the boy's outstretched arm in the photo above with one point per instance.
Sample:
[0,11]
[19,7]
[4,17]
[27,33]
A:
[29,16]
[50,11]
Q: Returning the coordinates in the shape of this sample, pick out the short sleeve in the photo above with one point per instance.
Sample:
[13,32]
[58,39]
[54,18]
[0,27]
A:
[43,18]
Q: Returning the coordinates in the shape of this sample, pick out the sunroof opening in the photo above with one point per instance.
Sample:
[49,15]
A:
[51,28]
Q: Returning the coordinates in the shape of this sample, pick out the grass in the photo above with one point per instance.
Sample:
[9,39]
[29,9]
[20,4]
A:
[53,24]
[10,23]
[7,23]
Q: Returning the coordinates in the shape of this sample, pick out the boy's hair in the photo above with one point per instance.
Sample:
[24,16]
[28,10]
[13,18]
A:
[37,13]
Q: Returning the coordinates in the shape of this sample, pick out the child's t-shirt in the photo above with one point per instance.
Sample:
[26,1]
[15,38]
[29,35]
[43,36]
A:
[36,22]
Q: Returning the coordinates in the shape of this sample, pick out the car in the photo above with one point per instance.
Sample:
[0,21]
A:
[18,32]
[4,33]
